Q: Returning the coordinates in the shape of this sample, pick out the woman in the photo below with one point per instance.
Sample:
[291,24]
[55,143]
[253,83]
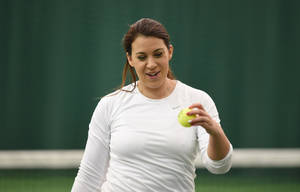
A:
[135,142]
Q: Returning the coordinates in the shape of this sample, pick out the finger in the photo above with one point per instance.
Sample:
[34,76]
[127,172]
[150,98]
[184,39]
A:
[196,111]
[197,105]
[199,112]
[201,120]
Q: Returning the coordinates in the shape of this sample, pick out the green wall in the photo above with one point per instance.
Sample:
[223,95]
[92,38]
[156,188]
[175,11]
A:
[58,57]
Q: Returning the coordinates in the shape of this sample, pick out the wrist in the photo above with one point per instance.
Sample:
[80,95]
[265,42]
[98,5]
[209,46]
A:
[217,132]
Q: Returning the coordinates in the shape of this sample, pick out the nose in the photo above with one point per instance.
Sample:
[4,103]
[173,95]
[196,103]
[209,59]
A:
[151,64]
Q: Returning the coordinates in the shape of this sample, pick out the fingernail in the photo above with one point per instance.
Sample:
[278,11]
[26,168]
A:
[189,121]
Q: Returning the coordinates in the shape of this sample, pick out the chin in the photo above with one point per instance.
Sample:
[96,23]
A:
[154,85]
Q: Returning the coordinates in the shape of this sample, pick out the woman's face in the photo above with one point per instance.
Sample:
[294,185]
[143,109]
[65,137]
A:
[150,57]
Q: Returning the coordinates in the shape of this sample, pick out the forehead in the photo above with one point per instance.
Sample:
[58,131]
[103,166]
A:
[147,44]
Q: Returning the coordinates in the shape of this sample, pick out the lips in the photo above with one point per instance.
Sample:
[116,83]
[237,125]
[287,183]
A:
[153,74]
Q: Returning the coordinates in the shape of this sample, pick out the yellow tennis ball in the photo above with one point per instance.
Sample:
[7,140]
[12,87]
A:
[183,118]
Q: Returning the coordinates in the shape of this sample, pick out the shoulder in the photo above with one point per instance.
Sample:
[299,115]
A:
[111,103]
[117,97]
[193,93]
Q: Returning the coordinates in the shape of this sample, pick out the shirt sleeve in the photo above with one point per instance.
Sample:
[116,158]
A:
[94,163]
[218,167]
[214,166]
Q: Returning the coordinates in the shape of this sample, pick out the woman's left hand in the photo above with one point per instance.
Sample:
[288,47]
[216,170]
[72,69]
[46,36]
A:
[204,119]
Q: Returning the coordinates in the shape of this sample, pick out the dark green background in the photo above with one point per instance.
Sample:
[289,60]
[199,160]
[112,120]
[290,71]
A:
[58,57]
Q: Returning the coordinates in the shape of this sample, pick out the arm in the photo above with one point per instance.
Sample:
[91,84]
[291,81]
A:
[93,166]
[215,147]
[219,144]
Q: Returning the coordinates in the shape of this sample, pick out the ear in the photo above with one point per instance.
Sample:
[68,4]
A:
[171,49]
[129,58]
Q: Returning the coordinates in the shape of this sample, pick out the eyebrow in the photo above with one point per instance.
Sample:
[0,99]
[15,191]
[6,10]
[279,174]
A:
[152,52]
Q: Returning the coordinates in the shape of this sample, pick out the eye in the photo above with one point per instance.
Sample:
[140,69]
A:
[158,54]
[141,57]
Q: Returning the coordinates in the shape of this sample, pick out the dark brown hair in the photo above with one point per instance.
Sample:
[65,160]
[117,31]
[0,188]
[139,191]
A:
[146,27]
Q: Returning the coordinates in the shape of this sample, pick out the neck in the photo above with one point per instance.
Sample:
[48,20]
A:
[158,93]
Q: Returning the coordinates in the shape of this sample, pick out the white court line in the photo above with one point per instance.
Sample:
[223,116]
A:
[68,159]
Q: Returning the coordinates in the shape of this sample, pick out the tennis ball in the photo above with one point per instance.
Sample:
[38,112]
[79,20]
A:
[183,118]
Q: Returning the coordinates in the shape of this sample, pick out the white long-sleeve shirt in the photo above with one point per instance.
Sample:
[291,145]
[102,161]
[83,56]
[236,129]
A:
[135,144]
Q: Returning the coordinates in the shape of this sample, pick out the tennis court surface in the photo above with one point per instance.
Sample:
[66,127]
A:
[237,180]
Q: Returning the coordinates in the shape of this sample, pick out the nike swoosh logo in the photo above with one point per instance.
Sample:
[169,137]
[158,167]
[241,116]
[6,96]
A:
[176,107]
